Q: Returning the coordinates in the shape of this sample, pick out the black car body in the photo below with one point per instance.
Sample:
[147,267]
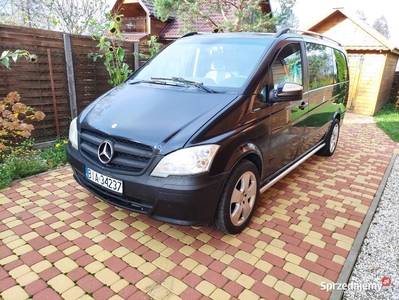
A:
[202,128]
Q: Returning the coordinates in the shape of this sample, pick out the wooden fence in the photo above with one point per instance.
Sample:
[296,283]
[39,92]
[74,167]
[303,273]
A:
[63,81]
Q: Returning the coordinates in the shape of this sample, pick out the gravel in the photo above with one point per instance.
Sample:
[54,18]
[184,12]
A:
[378,259]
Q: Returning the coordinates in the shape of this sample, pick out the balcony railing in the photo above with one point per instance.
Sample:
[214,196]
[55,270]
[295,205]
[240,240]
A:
[133,25]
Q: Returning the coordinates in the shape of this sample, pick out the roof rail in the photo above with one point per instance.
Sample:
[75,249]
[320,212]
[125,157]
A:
[188,34]
[320,36]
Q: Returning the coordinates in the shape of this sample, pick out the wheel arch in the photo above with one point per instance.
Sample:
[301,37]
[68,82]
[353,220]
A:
[248,151]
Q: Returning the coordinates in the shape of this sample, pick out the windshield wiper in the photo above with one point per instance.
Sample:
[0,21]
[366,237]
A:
[148,81]
[197,84]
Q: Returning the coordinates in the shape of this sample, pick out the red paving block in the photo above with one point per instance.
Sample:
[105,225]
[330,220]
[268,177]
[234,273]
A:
[242,266]
[139,295]
[191,294]
[233,288]
[21,229]
[3,273]
[289,239]
[158,275]
[65,245]
[215,278]
[85,260]
[322,252]
[295,250]
[89,283]
[83,242]
[130,243]
[294,280]
[265,291]
[109,244]
[274,260]
[150,255]
[131,274]
[192,280]
[177,257]
[258,274]
[77,274]
[141,250]
[278,273]
[179,272]
[43,231]
[127,291]
[5,251]
[202,258]
[173,243]
[332,275]
[47,294]
[315,290]
[35,287]
[313,267]
[115,264]
[6,283]
[55,256]
[336,250]
[217,266]
[246,247]
[31,257]
[329,264]
[49,273]
[13,265]
[103,294]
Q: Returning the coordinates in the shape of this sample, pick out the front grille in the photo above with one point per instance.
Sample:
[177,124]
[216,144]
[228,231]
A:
[128,155]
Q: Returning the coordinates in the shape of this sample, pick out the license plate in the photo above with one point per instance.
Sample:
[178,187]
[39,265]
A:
[105,181]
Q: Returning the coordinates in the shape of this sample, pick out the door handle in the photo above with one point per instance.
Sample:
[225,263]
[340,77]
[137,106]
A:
[303,105]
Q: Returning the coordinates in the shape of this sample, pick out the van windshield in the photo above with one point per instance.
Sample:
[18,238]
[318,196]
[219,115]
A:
[216,61]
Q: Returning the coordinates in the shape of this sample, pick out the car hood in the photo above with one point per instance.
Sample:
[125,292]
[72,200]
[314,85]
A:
[154,115]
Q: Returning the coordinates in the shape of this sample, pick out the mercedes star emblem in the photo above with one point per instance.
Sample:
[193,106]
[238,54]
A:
[105,152]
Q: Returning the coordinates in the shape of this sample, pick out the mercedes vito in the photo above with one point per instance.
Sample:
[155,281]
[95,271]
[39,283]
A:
[213,120]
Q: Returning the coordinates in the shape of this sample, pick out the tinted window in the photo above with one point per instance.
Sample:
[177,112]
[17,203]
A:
[322,68]
[288,65]
[341,66]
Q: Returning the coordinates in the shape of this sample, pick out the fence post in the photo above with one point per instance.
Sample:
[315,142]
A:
[136,56]
[70,75]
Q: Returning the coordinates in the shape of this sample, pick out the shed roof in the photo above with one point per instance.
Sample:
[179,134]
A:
[352,33]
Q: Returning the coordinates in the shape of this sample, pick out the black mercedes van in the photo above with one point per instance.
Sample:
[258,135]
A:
[211,121]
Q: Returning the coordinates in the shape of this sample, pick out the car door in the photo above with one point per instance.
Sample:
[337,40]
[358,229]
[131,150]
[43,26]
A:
[286,118]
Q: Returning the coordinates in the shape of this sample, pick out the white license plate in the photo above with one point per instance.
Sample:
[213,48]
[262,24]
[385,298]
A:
[105,181]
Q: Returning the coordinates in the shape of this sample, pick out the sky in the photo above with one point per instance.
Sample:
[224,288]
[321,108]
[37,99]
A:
[310,11]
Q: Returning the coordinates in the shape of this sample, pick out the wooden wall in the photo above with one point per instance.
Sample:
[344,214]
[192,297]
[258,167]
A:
[386,81]
[33,82]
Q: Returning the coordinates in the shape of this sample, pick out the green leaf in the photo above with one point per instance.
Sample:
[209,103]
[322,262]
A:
[5,62]
[4,54]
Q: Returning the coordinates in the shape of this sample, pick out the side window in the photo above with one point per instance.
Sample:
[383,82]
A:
[341,66]
[322,68]
[288,65]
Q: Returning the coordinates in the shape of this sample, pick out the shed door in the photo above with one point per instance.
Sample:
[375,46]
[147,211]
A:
[355,73]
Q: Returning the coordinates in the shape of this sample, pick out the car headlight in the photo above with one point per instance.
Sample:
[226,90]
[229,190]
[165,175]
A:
[186,161]
[73,133]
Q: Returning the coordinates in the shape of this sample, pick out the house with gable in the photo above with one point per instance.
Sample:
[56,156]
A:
[140,22]
[372,59]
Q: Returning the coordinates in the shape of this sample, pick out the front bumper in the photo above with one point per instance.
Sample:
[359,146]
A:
[183,200]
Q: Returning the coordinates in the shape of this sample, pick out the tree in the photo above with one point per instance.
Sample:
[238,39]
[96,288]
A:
[381,25]
[221,15]
[360,14]
[72,16]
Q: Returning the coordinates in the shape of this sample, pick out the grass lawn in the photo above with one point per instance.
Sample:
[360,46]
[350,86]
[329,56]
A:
[388,120]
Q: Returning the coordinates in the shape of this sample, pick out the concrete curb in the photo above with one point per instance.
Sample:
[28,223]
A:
[353,254]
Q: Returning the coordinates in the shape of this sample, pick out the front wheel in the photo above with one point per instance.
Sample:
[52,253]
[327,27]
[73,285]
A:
[239,197]
[331,140]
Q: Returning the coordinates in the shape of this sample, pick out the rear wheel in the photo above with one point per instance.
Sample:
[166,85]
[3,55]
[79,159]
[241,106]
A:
[331,140]
[238,201]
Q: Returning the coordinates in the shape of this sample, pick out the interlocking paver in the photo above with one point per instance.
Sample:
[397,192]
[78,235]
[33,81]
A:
[58,241]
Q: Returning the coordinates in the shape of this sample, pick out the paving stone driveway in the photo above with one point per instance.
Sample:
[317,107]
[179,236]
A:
[58,241]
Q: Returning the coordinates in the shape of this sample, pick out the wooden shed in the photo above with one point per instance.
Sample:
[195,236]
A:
[372,60]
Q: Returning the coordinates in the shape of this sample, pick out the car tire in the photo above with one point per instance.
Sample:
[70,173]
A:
[331,140]
[239,198]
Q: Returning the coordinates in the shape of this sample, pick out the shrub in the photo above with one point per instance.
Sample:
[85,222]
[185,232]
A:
[14,126]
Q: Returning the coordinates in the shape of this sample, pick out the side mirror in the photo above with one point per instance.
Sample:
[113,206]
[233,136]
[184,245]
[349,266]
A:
[286,91]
